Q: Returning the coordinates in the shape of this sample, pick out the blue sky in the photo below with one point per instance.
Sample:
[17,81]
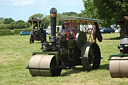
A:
[23,9]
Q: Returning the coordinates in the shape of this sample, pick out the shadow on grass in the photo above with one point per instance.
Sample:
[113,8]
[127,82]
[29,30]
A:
[105,66]
[80,69]
[72,71]
[114,38]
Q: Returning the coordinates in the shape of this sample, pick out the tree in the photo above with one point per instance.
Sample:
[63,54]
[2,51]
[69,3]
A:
[27,24]
[1,19]
[20,24]
[13,25]
[58,17]
[109,11]
[90,10]
[20,21]
[46,22]
[7,20]
[69,13]
[38,16]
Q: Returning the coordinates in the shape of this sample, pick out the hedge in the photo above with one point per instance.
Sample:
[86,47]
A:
[17,31]
[13,32]
[6,32]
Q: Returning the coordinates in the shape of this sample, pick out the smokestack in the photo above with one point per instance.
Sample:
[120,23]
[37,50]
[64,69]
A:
[126,25]
[53,14]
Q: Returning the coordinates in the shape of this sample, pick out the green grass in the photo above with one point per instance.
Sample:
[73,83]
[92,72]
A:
[15,53]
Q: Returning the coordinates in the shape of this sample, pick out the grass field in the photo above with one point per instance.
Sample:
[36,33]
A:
[15,53]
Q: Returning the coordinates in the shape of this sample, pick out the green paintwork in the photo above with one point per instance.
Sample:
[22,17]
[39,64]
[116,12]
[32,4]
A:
[118,55]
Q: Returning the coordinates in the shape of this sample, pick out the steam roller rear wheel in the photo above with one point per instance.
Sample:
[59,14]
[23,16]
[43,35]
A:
[44,65]
[118,67]
[90,56]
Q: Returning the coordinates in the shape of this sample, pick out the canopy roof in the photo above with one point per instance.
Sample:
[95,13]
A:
[78,19]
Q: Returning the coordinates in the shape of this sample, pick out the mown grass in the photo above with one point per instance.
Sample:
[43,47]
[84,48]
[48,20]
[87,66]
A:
[15,53]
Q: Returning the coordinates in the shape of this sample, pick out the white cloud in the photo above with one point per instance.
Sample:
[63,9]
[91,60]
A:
[3,2]
[18,2]
[22,2]
[63,5]
[60,3]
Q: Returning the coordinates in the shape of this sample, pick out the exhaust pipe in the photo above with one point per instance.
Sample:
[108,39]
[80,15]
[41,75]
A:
[53,14]
[126,26]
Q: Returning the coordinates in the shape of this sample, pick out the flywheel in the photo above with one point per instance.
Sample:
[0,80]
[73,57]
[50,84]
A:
[44,65]
[90,56]
[81,39]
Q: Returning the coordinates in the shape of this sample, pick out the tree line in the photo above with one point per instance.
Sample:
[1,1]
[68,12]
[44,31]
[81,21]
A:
[109,11]
[9,23]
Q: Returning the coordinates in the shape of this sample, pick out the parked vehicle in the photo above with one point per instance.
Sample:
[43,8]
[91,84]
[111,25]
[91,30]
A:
[107,30]
[25,33]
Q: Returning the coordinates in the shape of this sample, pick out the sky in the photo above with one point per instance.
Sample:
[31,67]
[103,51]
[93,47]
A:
[23,9]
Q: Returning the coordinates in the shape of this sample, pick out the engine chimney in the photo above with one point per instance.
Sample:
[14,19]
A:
[53,14]
[126,26]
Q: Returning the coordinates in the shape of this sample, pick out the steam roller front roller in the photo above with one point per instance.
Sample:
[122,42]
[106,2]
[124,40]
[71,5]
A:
[44,65]
[118,67]
[91,56]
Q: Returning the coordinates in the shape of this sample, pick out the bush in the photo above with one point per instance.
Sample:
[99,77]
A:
[2,26]
[5,26]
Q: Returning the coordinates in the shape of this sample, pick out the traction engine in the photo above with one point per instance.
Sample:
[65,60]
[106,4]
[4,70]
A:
[74,45]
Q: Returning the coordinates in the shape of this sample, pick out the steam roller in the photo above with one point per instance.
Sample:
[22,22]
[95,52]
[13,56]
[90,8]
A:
[67,48]
[43,65]
[118,66]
